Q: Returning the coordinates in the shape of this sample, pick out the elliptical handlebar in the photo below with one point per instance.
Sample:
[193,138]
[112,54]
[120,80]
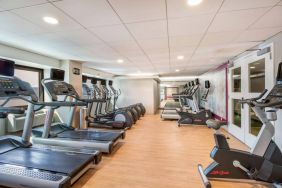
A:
[267,104]
[254,101]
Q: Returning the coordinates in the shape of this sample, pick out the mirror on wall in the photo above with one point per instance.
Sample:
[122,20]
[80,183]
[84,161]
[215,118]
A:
[168,88]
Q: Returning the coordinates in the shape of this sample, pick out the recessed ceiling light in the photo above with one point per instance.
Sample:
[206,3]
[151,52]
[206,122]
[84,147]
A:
[180,57]
[120,61]
[177,70]
[194,2]
[253,67]
[50,20]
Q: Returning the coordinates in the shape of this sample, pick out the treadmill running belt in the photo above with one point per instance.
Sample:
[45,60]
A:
[45,159]
[90,135]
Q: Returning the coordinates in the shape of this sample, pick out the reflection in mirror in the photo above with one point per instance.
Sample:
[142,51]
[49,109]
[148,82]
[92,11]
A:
[255,123]
[236,113]
[257,76]
[236,79]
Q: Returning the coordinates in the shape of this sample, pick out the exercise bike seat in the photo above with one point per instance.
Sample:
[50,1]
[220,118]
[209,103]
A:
[215,124]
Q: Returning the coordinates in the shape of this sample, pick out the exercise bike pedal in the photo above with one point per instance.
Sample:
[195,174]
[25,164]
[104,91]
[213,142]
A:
[251,173]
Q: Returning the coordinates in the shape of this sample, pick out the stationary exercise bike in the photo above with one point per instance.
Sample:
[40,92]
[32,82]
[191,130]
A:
[264,161]
[196,115]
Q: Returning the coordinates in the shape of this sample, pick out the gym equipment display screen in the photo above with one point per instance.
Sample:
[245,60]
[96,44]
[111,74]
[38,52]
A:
[207,84]
[84,79]
[57,74]
[7,67]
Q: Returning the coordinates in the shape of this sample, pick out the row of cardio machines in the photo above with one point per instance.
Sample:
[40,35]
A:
[190,111]
[55,154]
[185,107]
[103,112]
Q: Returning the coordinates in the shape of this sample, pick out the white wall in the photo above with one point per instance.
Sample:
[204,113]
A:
[156,86]
[216,100]
[137,90]
[27,58]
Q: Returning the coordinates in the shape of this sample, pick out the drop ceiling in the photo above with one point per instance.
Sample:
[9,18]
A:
[147,34]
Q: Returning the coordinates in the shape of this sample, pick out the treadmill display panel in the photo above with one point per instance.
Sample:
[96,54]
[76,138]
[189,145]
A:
[7,67]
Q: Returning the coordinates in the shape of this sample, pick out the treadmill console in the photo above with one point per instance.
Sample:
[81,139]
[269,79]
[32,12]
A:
[12,86]
[59,88]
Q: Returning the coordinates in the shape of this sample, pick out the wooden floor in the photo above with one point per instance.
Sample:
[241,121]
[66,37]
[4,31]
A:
[158,154]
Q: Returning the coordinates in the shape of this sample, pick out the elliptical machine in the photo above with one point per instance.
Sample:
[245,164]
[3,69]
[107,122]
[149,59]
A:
[196,116]
[264,161]
[118,119]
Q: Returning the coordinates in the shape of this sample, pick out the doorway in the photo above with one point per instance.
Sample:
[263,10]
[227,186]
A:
[248,78]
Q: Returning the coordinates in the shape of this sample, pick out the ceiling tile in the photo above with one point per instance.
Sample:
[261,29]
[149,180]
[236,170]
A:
[15,24]
[90,13]
[36,13]
[136,11]
[183,49]
[280,3]
[102,50]
[271,19]
[183,41]
[133,53]
[12,4]
[155,43]
[226,50]
[219,38]
[80,37]
[142,63]
[236,20]
[180,8]
[113,33]
[230,5]
[50,40]
[189,26]
[258,34]
[125,46]
[148,30]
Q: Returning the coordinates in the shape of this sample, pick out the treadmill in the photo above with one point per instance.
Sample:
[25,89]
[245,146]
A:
[63,134]
[21,164]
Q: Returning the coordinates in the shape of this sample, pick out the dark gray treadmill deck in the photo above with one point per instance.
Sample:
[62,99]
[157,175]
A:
[48,160]
[91,135]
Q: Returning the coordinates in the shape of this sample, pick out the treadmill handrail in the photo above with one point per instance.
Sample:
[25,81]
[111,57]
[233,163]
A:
[44,104]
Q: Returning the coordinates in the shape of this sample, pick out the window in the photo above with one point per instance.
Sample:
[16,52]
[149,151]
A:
[236,78]
[257,76]
[236,113]
[255,123]
[32,76]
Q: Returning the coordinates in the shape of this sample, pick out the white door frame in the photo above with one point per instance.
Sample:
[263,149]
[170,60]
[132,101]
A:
[243,133]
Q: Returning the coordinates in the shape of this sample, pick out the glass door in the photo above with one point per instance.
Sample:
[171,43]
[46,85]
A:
[235,108]
[248,78]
